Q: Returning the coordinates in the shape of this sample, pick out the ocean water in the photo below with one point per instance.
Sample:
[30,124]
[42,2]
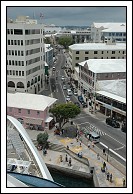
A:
[71,182]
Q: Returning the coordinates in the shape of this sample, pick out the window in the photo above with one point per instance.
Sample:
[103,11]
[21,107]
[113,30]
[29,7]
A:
[10,72]
[19,73]
[11,42]
[12,52]
[102,52]
[86,52]
[112,57]
[11,31]
[38,112]
[15,42]
[95,52]
[8,42]
[77,58]
[28,111]
[15,53]
[13,72]
[18,42]
[113,52]
[77,52]
[21,42]
[18,53]
[95,57]
[22,73]
[19,110]
[18,31]
[16,63]
[9,62]
[22,63]
[123,52]
[101,57]
[22,53]
[16,72]
[12,62]
[86,58]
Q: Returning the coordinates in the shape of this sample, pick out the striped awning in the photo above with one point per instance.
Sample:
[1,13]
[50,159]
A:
[33,121]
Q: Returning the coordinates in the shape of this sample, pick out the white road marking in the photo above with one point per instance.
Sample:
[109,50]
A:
[113,151]
[119,148]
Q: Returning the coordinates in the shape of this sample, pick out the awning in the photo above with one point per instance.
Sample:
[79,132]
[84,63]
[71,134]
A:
[48,119]
[33,121]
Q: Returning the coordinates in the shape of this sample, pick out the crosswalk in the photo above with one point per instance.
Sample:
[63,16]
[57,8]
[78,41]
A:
[92,128]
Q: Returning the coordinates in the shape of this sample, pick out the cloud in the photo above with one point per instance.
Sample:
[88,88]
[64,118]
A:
[71,15]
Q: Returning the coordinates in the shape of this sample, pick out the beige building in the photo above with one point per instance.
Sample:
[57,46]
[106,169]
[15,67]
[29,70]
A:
[85,51]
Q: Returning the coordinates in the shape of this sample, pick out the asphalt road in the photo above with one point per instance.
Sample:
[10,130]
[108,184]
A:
[111,137]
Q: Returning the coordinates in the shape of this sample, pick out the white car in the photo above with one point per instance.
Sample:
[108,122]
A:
[68,98]
[64,87]
[75,93]
[63,78]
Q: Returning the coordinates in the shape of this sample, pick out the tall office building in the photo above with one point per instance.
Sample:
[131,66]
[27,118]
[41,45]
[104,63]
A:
[25,65]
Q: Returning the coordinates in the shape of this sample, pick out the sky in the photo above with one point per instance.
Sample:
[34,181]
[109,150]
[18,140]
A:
[78,16]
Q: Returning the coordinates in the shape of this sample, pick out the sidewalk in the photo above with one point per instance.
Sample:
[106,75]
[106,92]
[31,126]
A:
[89,153]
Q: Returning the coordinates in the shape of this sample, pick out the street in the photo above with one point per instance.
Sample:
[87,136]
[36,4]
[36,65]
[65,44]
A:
[112,138]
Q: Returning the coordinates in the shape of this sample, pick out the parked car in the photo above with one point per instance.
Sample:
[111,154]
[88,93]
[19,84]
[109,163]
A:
[84,104]
[75,92]
[112,122]
[53,68]
[64,87]
[68,98]
[63,78]
[80,98]
[77,103]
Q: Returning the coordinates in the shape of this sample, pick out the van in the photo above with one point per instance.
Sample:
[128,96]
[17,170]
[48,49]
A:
[69,92]
[53,68]
[94,137]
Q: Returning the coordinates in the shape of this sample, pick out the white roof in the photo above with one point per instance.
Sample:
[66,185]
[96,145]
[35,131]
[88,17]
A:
[29,101]
[113,96]
[77,69]
[98,46]
[117,87]
[105,65]
[111,27]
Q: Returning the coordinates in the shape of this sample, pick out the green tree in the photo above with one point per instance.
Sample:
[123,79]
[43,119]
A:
[47,40]
[62,113]
[42,139]
[65,41]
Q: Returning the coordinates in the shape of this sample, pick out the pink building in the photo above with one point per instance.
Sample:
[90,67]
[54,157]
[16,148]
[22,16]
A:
[31,110]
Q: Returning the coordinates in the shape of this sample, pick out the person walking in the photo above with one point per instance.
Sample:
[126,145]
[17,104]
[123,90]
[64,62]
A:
[70,161]
[66,158]
[80,144]
[61,158]
[124,182]
[110,177]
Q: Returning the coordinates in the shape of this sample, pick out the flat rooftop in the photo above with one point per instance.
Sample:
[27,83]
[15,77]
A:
[29,101]
[98,46]
[105,65]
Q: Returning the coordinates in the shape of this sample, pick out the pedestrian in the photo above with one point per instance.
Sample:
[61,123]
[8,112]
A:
[124,182]
[70,161]
[88,145]
[110,177]
[93,144]
[80,144]
[67,147]
[104,164]
[77,139]
[104,151]
[66,158]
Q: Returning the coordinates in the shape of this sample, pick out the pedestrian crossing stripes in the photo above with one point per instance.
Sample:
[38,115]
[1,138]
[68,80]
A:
[93,128]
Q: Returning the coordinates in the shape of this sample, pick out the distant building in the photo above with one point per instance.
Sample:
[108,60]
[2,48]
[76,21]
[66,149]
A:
[98,80]
[102,31]
[25,63]
[31,110]
[48,54]
[85,51]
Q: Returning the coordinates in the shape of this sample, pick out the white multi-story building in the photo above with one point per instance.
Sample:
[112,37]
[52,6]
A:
[48,54]
[103,31]
[25,63]
[85,51]
[103,81]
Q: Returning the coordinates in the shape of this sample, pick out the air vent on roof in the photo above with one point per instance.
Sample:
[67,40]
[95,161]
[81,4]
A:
[122,24]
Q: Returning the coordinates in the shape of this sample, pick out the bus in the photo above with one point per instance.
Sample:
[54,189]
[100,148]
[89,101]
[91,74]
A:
[92,136]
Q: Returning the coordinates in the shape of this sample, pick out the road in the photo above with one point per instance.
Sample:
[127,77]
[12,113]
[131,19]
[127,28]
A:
[111,137]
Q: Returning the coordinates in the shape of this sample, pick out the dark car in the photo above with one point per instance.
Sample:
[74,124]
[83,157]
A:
[81,100]
[84,104]
[112,122]
[124,127]
[77,103]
